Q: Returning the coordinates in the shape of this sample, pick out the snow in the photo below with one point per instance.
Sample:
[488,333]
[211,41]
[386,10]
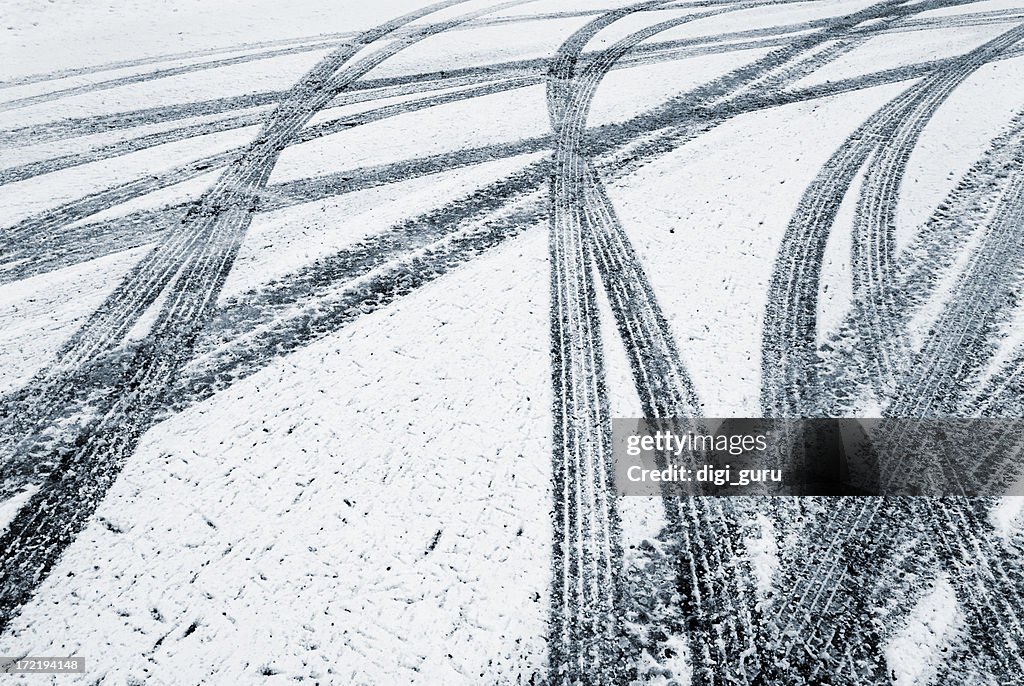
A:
[915,652]
[927,315]
[48,36]
[24,199]
[375,507]
[1006,516]
[445,128]
[836,273]
[954,138]
[21,153]
[274,74]
[480,46]
[972,8]
[9,507]
[767,16]
[891,50]
[282,241]
[625,93]
[764,555]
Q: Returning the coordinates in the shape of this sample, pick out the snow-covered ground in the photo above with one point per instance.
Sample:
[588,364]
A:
[310,332]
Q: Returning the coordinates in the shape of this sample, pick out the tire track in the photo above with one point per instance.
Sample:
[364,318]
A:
[584,633]
[626,127]
[33,169]
[104,123]
[241,316]
[218,210]
[252,329]
[987,290]
[331,40]
[616,133]
[83,242]
[611,132]
[164,73]
[327,40]
[29,258]
[48,222]
[418,83]
[512,75]
[27,232]
[789,355]
[34,259]
[584,625]
[989,579]
[933,251]
[591,256]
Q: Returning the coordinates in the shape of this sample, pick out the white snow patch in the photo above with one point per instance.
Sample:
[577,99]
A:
[144,324]
[678,665]
[181,192]
[1006,515]
[764,555]
[17,152]
[914,654]
[732,193]
[9,508]
[41,36]
[545,6]
[355,108]
[480,46]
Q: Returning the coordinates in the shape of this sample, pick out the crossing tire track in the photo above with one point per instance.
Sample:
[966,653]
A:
[636,142]
[875,220]
[568,102]
[61,507]
[883,516]
[933,250]
[578,629]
